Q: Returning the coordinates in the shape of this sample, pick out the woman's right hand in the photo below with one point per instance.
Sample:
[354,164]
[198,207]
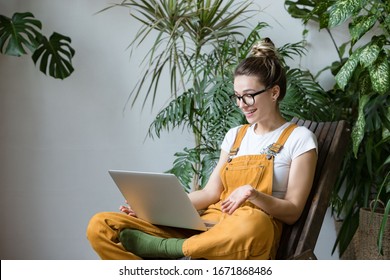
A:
[127,210]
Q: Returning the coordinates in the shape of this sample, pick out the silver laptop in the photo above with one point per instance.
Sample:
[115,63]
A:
[159,199]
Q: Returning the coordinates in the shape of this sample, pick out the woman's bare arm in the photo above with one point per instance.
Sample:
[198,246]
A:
[211,192]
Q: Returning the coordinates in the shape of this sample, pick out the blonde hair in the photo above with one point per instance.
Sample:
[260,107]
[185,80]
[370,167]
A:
[264,48]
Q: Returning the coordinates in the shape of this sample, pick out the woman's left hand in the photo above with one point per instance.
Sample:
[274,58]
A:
[237,198]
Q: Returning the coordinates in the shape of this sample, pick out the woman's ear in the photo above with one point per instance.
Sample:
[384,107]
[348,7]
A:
[275,92]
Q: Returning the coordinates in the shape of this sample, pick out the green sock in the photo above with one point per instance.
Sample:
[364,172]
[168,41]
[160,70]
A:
[149,246]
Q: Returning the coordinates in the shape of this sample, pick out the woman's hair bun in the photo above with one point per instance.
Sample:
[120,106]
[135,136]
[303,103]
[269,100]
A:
[264,48]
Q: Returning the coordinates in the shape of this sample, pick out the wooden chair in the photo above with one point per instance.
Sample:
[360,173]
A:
[298,240]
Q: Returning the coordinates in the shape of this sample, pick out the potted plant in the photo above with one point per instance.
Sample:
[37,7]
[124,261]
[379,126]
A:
[200,42]
[362,95]
[22,32]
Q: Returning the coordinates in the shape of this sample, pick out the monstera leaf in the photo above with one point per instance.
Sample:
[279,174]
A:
[55,56]
[19,32]
[22,33]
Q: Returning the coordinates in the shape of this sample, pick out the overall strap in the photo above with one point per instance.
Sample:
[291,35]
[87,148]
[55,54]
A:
[276,147]
[273,150]
[237,142]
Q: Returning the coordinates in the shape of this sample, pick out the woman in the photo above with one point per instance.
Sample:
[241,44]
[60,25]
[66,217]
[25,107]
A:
[262,180]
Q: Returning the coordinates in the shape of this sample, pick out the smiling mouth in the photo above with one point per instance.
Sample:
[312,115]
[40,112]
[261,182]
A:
[249,112]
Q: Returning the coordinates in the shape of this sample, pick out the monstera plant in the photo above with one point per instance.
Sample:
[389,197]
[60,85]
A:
[361,94]
[21,34]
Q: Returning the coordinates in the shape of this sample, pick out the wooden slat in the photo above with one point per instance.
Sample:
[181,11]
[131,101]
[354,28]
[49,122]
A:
[327,179]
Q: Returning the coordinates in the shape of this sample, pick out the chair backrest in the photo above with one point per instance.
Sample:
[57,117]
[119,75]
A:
[298,240]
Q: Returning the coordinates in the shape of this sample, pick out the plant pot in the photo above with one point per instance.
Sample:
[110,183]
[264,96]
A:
[365,240]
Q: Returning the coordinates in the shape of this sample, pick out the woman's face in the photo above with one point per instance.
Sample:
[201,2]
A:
[262,105]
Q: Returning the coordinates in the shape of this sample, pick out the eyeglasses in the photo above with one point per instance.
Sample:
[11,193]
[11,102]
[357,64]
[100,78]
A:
[248,99]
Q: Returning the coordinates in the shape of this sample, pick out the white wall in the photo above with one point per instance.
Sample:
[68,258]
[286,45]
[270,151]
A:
[59,138]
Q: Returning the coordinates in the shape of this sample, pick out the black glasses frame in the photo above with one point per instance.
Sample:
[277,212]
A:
[236,98]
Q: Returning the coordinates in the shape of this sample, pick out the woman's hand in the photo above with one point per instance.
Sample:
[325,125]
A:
[127,210]
[237,198]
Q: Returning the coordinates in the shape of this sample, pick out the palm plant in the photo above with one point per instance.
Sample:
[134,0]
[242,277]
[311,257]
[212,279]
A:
[182,32]
[200,42]
[23,31]
[362,95]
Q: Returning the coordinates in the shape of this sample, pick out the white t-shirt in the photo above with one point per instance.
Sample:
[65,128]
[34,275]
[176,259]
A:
[300,141]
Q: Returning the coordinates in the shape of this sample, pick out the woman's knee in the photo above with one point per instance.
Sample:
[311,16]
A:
[256,224]
[95,225]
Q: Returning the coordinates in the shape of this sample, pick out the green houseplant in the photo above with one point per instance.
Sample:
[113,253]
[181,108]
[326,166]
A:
[183,32]
[199,42]
[22,33]
[362,95]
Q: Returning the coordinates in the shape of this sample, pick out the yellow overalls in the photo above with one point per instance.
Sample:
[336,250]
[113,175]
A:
[249,233]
